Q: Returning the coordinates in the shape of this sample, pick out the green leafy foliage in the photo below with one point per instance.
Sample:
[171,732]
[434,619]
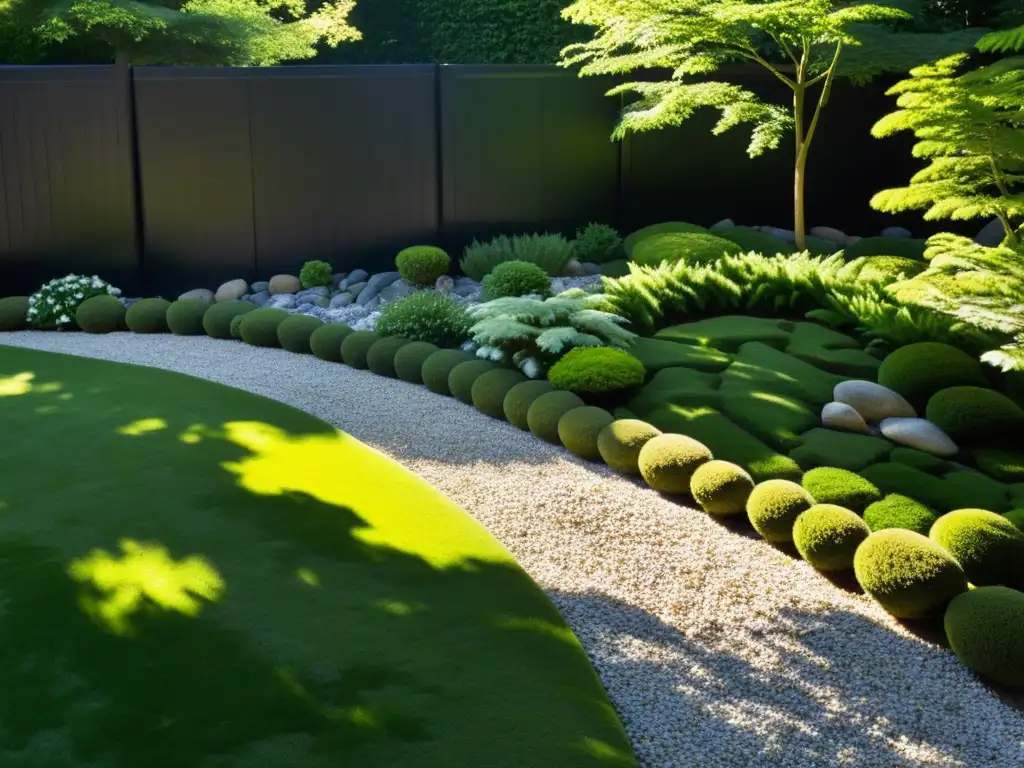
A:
[185,317]
[217,320]
[315,273]
[355,347]
[597,373]
[258,327]
[661,228]
[906,247]
[547,410]
[410,358]
[549,252]
[438,366]
[517,402]
[426,316]
[597,243]
[422,264]
[464,376]
[295,332]
[55,303]
[489,391]
[515,278]
[754,240]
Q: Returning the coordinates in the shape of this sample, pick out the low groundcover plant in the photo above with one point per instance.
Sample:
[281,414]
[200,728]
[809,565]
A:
[55,303]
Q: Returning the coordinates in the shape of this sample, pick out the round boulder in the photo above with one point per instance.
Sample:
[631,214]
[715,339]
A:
[873,401]
[231,290]
[284,284]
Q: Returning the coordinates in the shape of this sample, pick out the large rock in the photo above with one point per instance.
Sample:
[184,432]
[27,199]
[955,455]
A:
[896,232]
[591,268]
[397,290]
[198,293]
[309,293]
[375,285]
[444,285]
[829,233]
[342,300]
[231,290]
[284,284]
[355,277]
[843,416]
[356,288]
[873,401]
[787,235]
[991,235]
[466,287]
[573,268]
[920,434]
[261,285]
[260,298]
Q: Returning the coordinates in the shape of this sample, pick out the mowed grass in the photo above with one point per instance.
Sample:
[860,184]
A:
[196,577]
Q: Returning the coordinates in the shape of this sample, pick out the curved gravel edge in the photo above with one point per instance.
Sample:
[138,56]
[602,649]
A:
[715,648]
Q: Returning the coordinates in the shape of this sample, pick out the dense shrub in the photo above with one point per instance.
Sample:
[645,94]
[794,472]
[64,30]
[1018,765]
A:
[517,402]
[185,317]
[148,316]
[217,319]
[909,575]
[295,332]
[488,392]
[326,340]
[597,243]
[515,278]
[422,264]
[691,247]
[918,371]
[988,547]
[898,511]
[235,327]
[667,462]
[621,441]
[546,411]
[426,316]
[54,304]
[774,506]
[101,314]
[410,358]
[721,488]
[315,273]
[13,313]
[380,358]
[259,327]
[904,247]
[983,627]
[439,365]
[631,241]
[549,252]
[464,376]
[827,536]
[579,428]
[975,415]
[829,485]
[356,346]
[600,375]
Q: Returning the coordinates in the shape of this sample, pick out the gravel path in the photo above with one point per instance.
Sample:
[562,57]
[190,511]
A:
[716,649]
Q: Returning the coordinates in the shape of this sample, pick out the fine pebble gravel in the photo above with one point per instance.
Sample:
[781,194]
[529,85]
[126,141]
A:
[716,649]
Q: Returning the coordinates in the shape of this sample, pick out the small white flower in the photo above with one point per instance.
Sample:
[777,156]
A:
[64,319]
[79,295]
[51,301]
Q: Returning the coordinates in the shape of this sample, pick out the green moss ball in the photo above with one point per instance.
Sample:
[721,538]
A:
[217,320]
[898,511]
[235,327]
[148,316]
[517,402]
[975,415]
[409,360]
[546,411]
[827,536]
[983,627]
[774,506]
[294,333]
[439,366]
[101,314]
[667,462]
[600,375]
[1016,516]
[621,441]
[721,488]
[988,547]
[422,264]
[326,340]
[356,347]
[489,390]
[579,429]
[691,247]
[381,356]
[14,313]
[464,376]
[185,317]
[918,371]
[908,574]
[829,485]
[259,327]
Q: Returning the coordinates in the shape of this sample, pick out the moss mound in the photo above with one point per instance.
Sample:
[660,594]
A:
[488,392]
[721,488]
[893,477]
[830,485]
[919,460]
[464,376]
[422,264]
[918,371]
[774,506]
[656,229]
[1004,465]
[217,320]
[667,462]
[439,365]
[294,333]
[546,411]
[235,327]
[148,316]
[259,327]
[827,536]
[898,511]
[621,441]
[691,247]
[518,400]
[380,358]
[845,450]
[965,488]
[600,375]
[908,574]
[656,354]
[729,333]
[13,313]
[326,340]
[904,247]
[579,429]
[976,416]
[988,547]
[185,317]
[410,358]
[771,370]
[101,314]
[356,346]
[1016,516]
[754,240]
[983,627]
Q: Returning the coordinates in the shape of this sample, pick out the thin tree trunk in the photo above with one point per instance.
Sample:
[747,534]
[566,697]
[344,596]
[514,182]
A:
[800,167]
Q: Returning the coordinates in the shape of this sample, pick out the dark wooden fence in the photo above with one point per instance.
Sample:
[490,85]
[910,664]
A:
[163,179]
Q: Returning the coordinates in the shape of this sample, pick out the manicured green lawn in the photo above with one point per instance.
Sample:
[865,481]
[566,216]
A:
[196,577]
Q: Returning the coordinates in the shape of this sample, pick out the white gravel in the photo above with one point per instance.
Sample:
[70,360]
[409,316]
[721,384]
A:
[716,649]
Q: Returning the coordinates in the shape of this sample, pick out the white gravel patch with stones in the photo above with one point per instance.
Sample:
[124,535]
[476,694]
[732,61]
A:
[716,649]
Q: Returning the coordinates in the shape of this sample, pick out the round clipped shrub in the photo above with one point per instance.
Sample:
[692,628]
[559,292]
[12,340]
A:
[829,485]
[983,627]
[975,415]
[898,511]
[827,536]
[579,429]
[774,506]
[100,314]
[422,264]
[315,273]
[597,243]
[439,365]
[1016,516]
[657,229]
[621,441]
[515,278]
[325,342]
[236,327]
[905,247]
[464,376]
[185,316]
[381,356]
[691,247]
[409,360]
[148,316]
[546,411]
[721,488]
[667,462]
[918,371]
[517,402]
[259,327]
[426,316]
[217,320]
[906,573]
[490,389]
[295,332]
[600,375]
[14,313]
[356,346]
[988,547]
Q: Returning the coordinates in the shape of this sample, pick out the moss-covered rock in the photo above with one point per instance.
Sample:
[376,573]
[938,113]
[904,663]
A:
[656,354]
[925,462]
[148,316]
[294,333]
[380,358]
[579,429]
[976,416]
[488,392]
[774,506]
[845,450]
[185,317]
[546,411]
[831,485]
[983,627]
[667,462]
[691,247]
[217,319]
[1016,516]
[831,351]
[13,313]
[437,367]
[754,240]
[988,547]
[827,536]
[409,360]
[326,340]
[600,375]
[518,400]
[760,366]
[356,347]
[620,442]
[657,229]
[259,327]
[101,314]
[898,511]
[721,487]
[918,371]
[1006,465]
[730,332]
[965,488]
[894,477]
[464,376]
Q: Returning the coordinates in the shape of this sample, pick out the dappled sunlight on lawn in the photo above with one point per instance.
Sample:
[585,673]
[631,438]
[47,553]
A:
[23,384]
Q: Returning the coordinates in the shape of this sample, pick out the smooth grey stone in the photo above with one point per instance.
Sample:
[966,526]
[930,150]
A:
[991,235]
[260,298]
[896,232]
[355,277]
[342,300]
[723,224]
[873,401]
[843,416]
[318,290]
[355,289]
[261,286]
[397,290]
[920,434]
[375,285]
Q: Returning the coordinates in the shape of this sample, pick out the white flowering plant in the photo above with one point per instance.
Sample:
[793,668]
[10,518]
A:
[55,303]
